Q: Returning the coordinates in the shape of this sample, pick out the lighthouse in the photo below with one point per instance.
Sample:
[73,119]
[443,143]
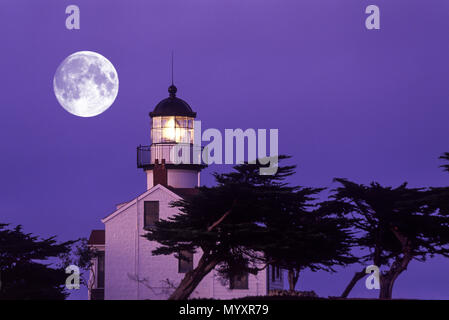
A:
[173,159]
[125,267]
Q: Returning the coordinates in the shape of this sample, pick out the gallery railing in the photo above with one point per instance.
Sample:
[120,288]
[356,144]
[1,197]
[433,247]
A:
[170,154]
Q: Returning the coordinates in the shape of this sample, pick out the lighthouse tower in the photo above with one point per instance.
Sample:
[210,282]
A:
[172,139]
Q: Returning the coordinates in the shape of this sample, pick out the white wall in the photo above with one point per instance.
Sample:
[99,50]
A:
[178,178]
[150,180]
[120,256]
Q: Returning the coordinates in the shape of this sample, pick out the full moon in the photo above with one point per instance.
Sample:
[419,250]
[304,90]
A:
[85,84]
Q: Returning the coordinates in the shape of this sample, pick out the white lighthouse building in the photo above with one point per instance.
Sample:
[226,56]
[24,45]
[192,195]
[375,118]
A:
[125,267]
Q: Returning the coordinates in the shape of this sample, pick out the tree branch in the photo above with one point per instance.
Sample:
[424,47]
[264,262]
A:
[357,276]
[216,223]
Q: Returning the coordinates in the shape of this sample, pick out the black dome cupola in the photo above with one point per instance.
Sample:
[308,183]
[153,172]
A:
[172,106]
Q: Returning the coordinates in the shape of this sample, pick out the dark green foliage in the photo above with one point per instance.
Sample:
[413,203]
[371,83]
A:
[82,256]
[380,214]
[394,225]
[445,156]
[303,236]
[311,240]
[25,271]
[438,196]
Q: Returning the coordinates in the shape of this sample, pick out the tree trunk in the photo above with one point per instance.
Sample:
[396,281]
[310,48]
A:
[193,278]
[357,276]
[397,267]
[386,286]
[206,264]
[388,279]
[293,276]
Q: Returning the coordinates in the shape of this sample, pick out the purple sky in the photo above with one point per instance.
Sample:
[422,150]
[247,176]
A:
[365,105]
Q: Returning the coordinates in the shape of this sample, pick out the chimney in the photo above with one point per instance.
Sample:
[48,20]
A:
[160,173]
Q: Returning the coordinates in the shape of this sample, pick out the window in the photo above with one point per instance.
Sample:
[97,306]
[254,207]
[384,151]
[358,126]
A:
[100,270]
[275,273]
[239,281]
[172,129]
[151,213]
[185,263]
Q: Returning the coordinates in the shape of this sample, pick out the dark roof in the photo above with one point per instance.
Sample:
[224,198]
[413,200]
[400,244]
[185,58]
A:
[97,237]
[172,106]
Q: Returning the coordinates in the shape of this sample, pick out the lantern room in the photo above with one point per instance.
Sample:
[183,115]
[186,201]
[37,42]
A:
[172,120]
[172,124]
